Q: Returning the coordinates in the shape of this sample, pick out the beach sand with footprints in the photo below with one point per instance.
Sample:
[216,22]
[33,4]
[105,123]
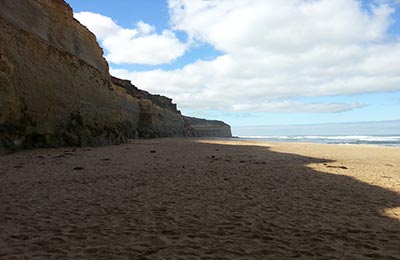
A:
[201,199]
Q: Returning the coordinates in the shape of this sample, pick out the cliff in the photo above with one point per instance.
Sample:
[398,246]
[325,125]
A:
[207,128]
[52,22]
[158,116]
[55,88]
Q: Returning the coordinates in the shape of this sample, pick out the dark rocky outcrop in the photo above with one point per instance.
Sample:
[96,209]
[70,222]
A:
[55,88]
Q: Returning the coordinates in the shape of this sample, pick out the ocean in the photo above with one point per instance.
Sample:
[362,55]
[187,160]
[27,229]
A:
[382,140]
[385,133]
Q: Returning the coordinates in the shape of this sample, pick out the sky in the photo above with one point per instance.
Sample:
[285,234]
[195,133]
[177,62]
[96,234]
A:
[255,63]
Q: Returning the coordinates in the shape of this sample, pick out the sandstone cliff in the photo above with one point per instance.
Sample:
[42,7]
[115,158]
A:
[158,116]
[55,88]
[207,128]
[52,22]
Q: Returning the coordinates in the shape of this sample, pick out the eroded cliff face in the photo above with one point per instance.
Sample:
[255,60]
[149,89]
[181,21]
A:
[158,116]
[52,22]
[198,127]
[50,97]
[55,88]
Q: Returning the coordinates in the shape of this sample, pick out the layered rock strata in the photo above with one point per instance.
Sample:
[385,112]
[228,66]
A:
[198,127]
[158,116]
[55,88]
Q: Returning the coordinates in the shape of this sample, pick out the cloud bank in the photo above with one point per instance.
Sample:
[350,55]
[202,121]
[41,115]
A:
[274,53]
[140,45]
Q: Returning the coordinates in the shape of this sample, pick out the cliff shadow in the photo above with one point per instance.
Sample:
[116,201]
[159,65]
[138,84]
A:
[181,199]
[294,211]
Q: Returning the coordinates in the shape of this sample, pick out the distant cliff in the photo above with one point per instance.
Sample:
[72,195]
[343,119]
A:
[207,128]
[159,117]
[55,87]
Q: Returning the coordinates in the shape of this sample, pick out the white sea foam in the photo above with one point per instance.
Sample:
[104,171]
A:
[345,139]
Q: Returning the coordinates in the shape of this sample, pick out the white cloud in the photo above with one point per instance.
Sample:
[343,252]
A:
[140,45]
[276,25]
[277,51]
[298,107]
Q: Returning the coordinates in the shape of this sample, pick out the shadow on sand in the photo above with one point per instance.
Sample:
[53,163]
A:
[168,199]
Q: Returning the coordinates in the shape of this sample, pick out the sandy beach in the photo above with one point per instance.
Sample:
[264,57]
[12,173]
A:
[201,199]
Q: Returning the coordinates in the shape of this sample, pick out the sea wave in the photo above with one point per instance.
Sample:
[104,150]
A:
[345,139]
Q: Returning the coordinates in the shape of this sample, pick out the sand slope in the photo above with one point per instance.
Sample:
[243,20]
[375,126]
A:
[185,199]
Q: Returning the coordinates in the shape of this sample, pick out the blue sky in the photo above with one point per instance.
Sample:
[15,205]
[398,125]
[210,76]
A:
[265,63]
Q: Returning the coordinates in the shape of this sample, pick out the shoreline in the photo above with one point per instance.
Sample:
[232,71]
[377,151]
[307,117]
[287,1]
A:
[266,142]
[329,140]
[201,199]
[261,142]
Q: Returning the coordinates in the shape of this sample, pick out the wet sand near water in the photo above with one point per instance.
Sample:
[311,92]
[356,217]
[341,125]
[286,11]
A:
[201,199]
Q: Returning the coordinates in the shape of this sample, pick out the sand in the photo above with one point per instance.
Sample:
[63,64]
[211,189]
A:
[201,199]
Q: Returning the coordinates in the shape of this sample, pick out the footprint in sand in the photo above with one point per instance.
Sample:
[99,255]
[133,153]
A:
[337,167]
[59,156]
